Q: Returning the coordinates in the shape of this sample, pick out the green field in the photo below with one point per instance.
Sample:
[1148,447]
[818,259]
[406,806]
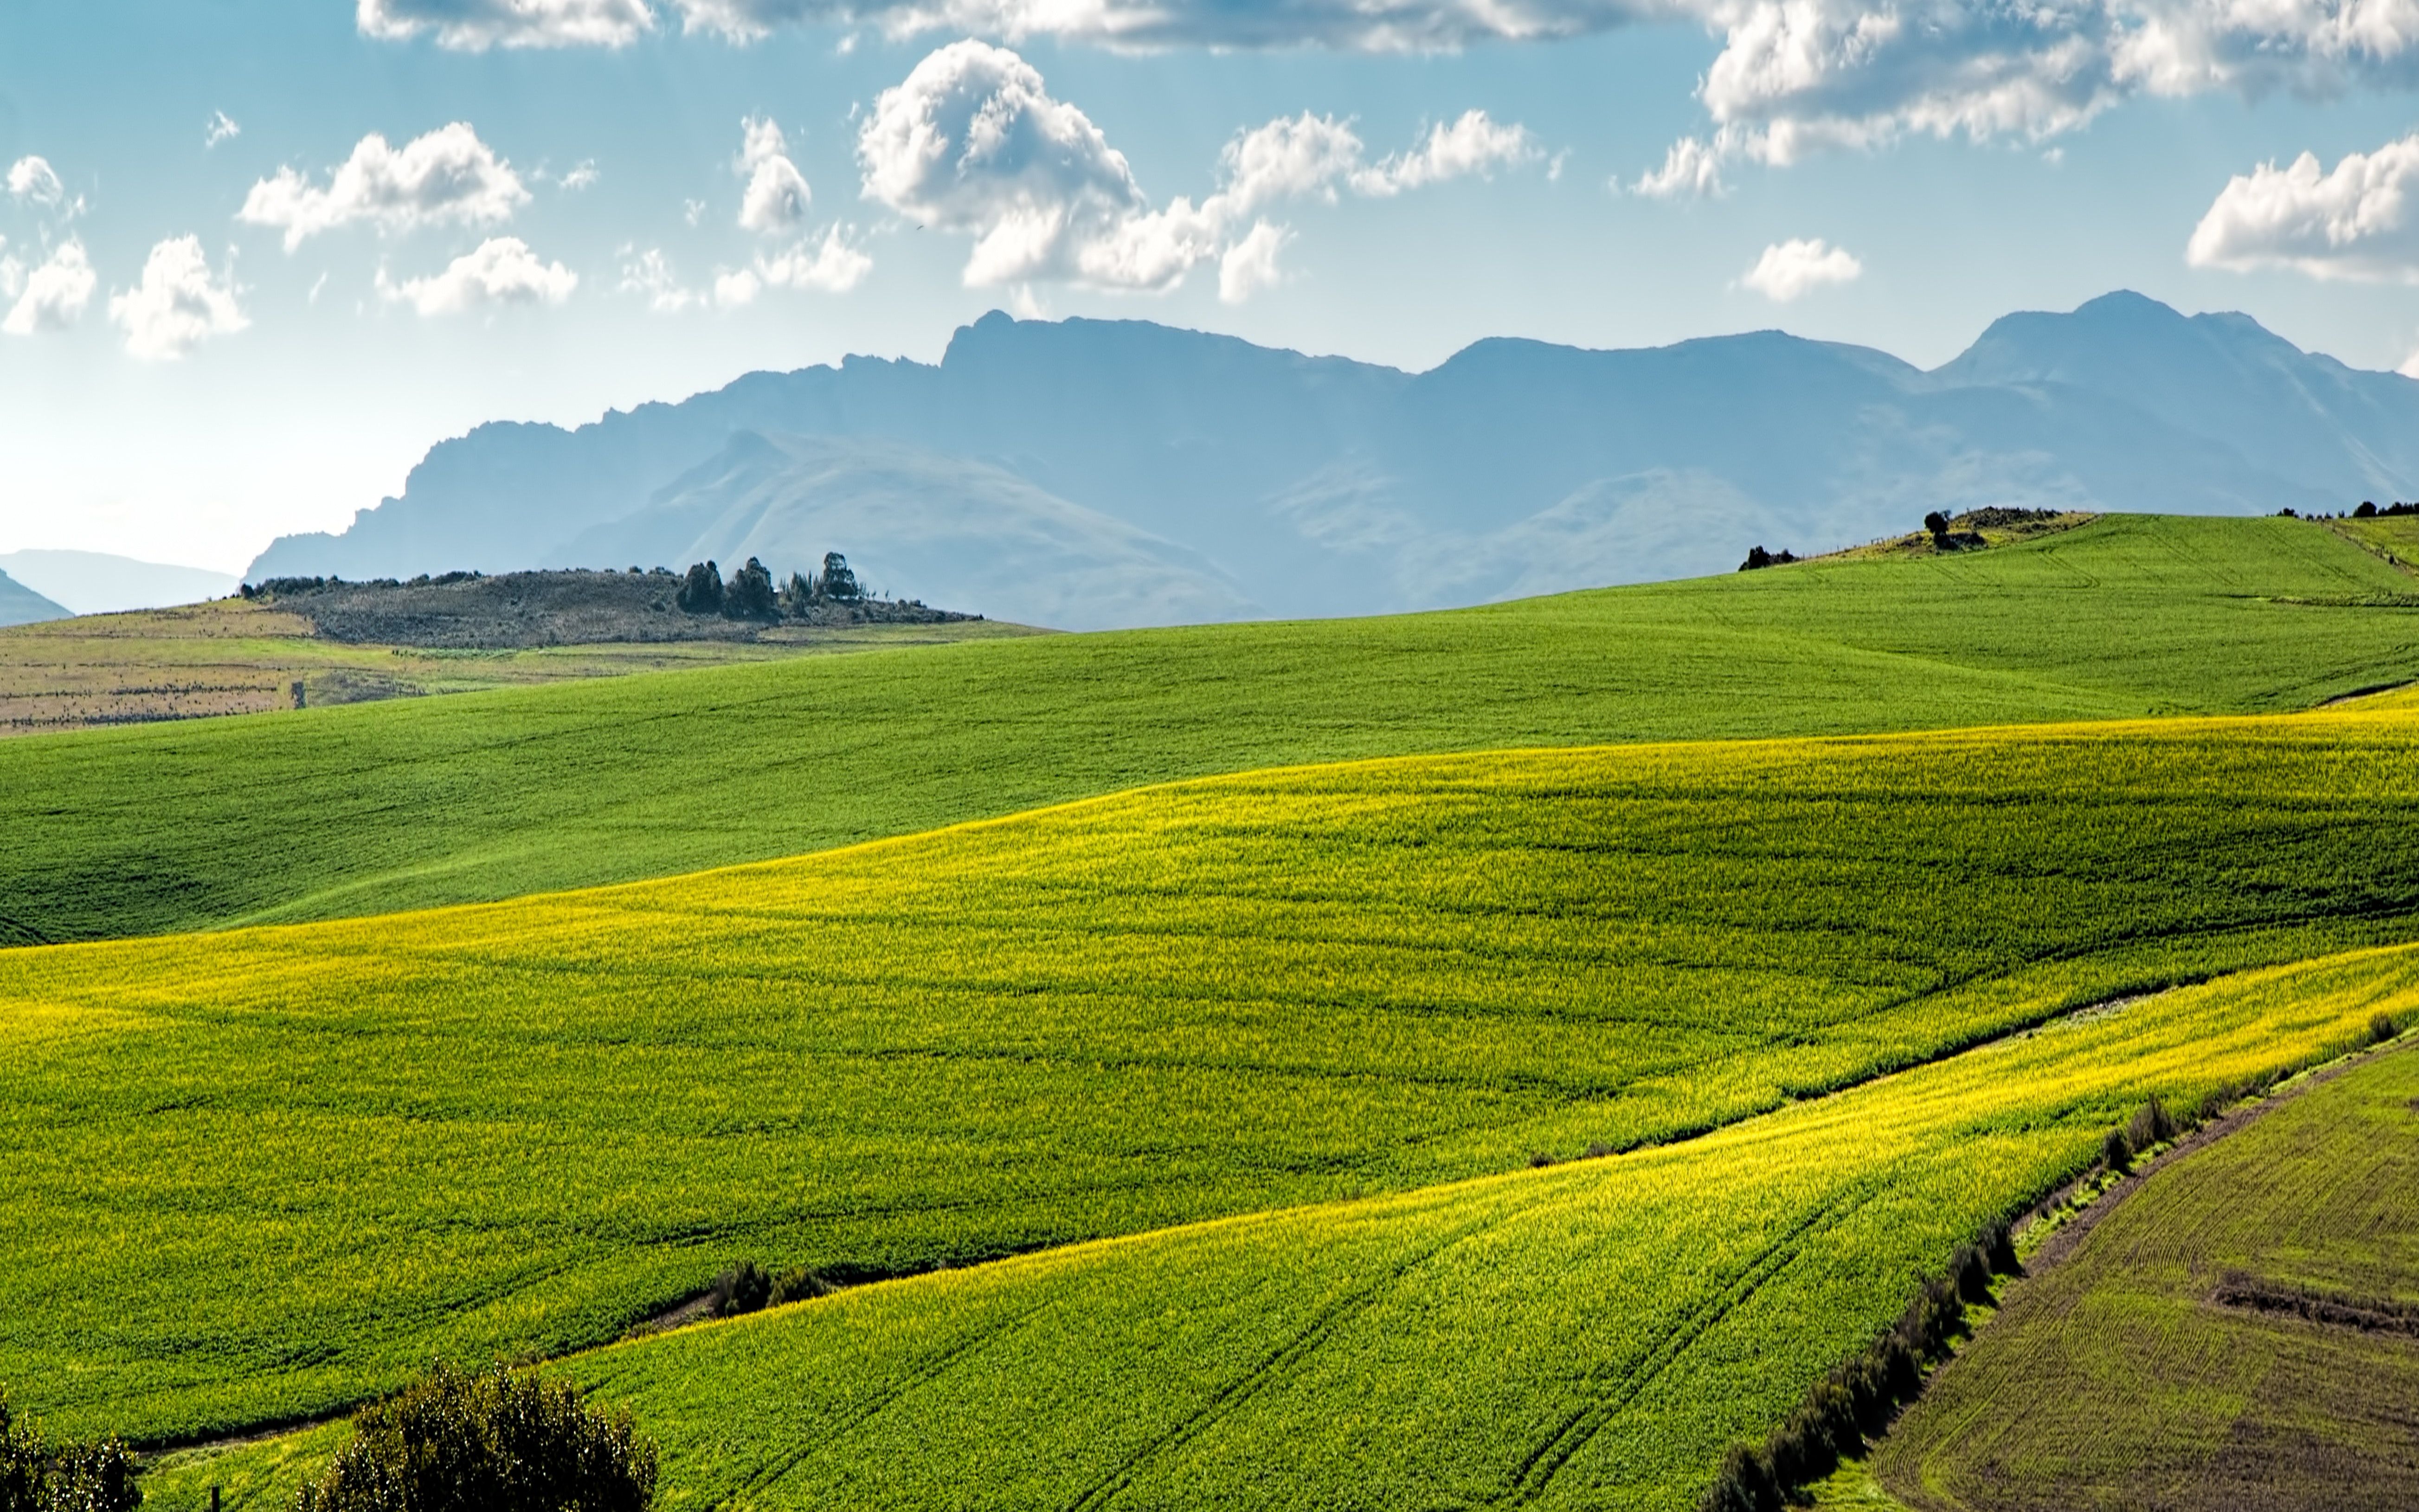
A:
[1589,1335]
[406,804]
[2165,1364]
[260,1174]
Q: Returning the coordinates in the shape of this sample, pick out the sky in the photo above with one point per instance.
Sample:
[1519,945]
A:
[256,257]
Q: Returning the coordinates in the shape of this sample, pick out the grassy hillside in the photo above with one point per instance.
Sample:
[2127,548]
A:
[233,656]
[354,811]
[259,1173]
[1589,1335]
[2241,1334]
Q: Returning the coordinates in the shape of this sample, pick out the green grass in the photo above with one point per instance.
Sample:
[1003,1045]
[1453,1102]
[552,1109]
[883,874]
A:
[2119,1378]
[258,1174]
[363,810]
[1589,1335]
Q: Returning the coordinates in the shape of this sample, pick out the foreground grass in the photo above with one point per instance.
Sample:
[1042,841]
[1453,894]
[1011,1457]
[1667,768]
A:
[358,811]
[2145,1368]
[260,1174]
[1593,1335]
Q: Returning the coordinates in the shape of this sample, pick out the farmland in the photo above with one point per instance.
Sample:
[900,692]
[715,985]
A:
[372,807]
[2242,1333]
[1590,1335]
[262,1173]
[233,656]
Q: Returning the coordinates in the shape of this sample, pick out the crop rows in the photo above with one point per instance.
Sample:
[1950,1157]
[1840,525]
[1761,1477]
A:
[1593,1335]
[261,1174]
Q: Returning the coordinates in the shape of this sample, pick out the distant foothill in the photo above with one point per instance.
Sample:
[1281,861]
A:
[470,611]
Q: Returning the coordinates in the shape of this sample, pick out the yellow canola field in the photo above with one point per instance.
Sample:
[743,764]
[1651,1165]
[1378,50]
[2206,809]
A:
[262,1175]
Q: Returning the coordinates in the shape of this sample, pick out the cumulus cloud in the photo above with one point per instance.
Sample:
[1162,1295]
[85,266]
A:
[583,175]
[973,143]
[830,266]
[776,197]
[475,26]
[1473,145]
[447,177]
[2357,222]
[33,181]
[649,274]
[1691,170]
[1791,76]
[499,271]
[179,304]
[221,127]
[1790,268]
[1251,263]
[51,297]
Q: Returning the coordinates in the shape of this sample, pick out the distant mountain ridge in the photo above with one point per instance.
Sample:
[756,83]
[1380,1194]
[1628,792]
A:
[21,605]
[1088,474]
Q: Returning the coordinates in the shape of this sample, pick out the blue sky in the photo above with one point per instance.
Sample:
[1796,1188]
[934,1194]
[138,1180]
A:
[212,336]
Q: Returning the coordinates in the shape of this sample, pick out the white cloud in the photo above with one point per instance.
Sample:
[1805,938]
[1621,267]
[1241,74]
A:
[830,266]
[650,275]
[1473,145]
[2358,221]
[583,175]
[475,26]
[53,295]
[1251,263]
[221,127]
[1691,169]
[1797,267]
[776,197]
[447,175]
[32,180]
[973,143]
[178,305]
[499,271]
[2409,367]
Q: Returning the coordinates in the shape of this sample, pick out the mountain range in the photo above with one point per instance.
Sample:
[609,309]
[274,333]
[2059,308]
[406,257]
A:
[1089,473]
[21,605]
[98,582]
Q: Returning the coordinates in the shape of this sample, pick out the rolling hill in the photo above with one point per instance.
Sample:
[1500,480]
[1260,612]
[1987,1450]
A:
[261,1174]
[1215,479]
[487,795]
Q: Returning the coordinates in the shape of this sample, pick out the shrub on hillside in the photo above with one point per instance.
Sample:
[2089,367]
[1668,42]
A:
[748,1287]
[1861,1395]
[749,596]
[83,1475]
[700,592]
[2380,1028]
[487,1441]
[837,582]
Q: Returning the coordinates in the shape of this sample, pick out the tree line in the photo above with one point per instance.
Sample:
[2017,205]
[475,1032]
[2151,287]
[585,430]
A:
[750,595]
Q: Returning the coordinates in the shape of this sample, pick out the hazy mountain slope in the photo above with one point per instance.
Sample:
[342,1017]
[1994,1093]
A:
[97,583]
[2300,414]
[21,605]
[947,530]
[1321,485]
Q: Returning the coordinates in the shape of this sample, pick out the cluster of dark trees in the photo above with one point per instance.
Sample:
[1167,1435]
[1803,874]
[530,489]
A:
[750,595]
[2367,509]
[1758,557]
